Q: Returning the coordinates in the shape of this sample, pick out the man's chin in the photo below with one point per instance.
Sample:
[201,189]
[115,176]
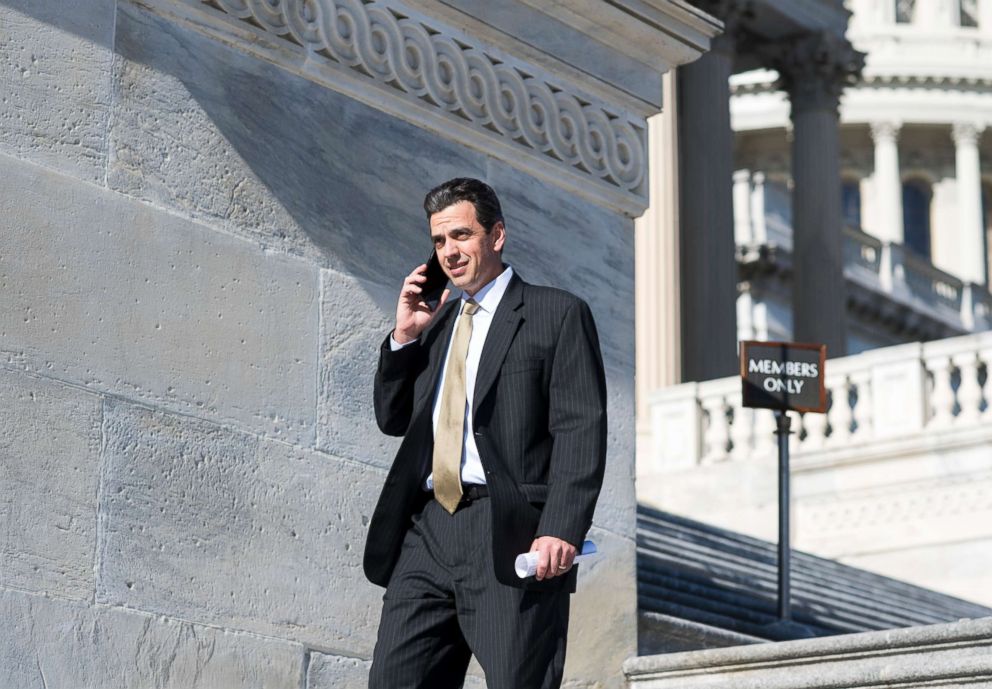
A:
[462,283]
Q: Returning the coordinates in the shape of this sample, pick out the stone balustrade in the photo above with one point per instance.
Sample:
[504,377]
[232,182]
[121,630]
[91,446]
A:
[894,392]
[763,217]
[954,654]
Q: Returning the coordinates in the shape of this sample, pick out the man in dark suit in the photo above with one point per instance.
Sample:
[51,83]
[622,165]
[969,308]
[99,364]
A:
[500,397]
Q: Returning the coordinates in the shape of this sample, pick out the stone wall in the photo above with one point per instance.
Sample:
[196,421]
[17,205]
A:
[199,259]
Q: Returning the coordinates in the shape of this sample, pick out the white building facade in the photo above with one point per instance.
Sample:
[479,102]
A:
[916,179]
[895,478]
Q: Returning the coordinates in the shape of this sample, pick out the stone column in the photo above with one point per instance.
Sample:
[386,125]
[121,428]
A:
[888,183]
[970,257]
[743,229]
[985,17]
[656,254]
[708,265]
[814,69]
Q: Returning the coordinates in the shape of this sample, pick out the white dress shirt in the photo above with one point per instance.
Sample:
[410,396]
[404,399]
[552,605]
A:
[488,299]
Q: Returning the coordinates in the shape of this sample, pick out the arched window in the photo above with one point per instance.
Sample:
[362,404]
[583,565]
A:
[968,13]
[916,195]
[904,11]
[987,220]
[850,199]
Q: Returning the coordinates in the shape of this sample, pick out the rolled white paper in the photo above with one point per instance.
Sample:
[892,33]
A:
[526,563]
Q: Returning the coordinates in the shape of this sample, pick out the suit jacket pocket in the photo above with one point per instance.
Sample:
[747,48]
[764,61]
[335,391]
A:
[511,366]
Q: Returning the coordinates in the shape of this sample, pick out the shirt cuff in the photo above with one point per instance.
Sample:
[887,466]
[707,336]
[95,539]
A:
[395,346]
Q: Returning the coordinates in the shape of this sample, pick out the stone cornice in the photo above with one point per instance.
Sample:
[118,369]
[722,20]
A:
[418,69]
[959,83]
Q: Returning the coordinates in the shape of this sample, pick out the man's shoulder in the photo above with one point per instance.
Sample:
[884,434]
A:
[552,300]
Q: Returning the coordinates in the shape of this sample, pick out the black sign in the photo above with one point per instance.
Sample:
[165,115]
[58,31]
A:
[783,375]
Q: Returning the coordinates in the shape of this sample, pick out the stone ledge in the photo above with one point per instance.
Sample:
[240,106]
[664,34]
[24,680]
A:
[658,633]
[934,655]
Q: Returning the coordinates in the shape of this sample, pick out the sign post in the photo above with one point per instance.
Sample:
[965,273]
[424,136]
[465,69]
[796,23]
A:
[783,376]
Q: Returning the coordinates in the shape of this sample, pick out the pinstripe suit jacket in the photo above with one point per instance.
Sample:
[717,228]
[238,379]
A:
[539,420]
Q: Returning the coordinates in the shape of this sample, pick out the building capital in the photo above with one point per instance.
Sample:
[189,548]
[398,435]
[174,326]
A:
[733,14]
[885,130]
[814,68]
[966,133]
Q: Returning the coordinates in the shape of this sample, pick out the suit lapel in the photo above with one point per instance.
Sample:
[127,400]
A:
[506,320]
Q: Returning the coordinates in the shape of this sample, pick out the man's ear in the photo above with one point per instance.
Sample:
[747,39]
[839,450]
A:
[499,235]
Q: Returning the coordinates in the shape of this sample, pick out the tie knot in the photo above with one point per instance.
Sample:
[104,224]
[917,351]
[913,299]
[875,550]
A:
[470,308]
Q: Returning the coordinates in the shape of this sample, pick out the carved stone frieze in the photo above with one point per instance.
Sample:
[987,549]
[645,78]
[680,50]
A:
[468,83]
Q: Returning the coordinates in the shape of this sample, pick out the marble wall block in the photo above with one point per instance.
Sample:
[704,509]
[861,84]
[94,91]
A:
[602,630]
[52,644]
[356,315]
[54,83]
[222,527]
[122,298]
[49,475]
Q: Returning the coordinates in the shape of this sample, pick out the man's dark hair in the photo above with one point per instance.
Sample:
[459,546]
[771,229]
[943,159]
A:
[487,209]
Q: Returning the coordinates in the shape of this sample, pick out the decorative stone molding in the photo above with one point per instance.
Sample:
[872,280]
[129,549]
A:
[463,82]
[814,69]
[837,514]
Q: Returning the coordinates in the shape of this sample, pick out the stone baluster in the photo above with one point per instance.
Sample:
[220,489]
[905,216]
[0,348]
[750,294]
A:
[839,414]
[816,427]
[941,399]
[985,357]
[969,392]
[741,432]
[861,379]
[716,435]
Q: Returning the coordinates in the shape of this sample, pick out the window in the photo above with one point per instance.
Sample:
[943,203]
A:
[987,220]
[916,195]
[850,199]
[904,11]
[968,13]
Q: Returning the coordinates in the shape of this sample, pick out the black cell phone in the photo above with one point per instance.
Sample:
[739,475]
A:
[436,280]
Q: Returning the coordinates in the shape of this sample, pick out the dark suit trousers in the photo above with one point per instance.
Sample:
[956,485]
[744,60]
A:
[443,603]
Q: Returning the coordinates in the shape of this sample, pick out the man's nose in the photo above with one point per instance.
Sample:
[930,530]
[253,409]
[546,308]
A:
[449,251]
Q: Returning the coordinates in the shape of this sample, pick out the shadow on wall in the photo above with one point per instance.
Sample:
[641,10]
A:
[228,138]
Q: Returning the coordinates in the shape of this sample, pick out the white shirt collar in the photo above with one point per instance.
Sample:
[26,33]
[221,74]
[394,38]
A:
[488,297]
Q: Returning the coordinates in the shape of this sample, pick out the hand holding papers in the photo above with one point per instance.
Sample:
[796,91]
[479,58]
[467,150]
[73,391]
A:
[526,563]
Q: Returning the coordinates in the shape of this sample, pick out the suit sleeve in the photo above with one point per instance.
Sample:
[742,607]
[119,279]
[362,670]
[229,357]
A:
[577,423]
[394,381]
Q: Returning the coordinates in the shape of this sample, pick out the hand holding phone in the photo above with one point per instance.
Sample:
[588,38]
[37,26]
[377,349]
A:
[422,296]
[436,280]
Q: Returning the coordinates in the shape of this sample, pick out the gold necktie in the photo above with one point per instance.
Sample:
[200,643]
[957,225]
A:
[450,432]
